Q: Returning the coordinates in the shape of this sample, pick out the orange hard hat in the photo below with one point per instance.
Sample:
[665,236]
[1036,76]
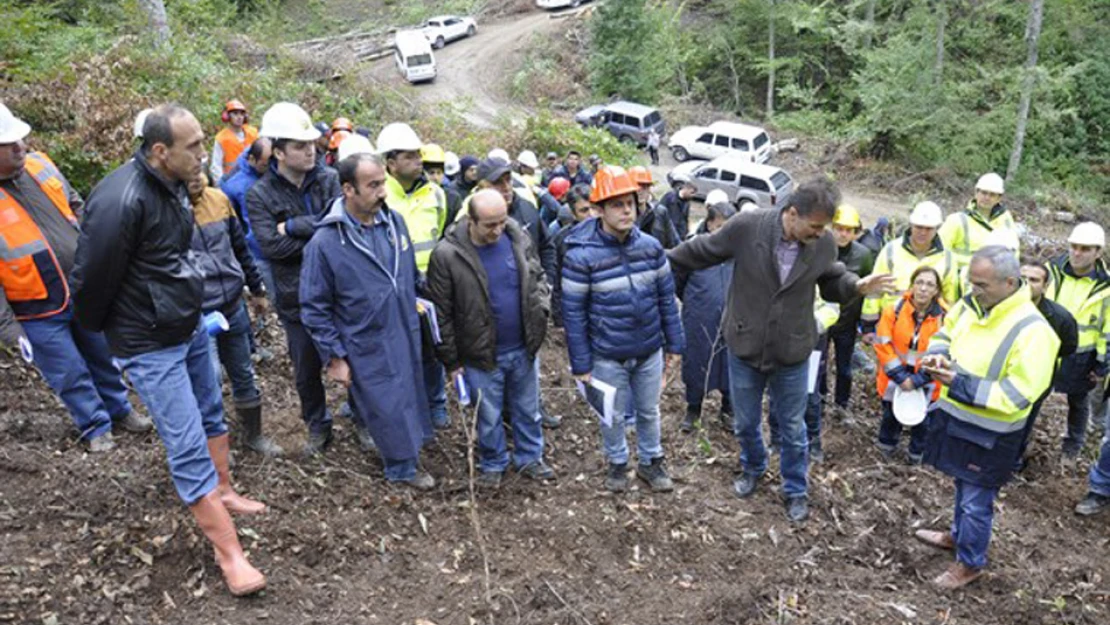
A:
[558,187]
[342,123]
[235,105]
[610,182]
[640,174]
[337,137]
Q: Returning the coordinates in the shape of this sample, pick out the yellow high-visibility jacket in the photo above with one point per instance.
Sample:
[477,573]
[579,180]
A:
[1087,298]
[1004,359]
[898,259]
[424,210]
[966,231]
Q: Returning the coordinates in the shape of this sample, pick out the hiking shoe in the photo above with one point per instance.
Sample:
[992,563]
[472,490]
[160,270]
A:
[797,509]
[318,443]
[549,421]
[616,480]
[656,476]
[538,471]
[690,422]
[934,538]
[957,576]
[745,485]
[489,479]
[102,443]
[886,450]
[134,422]
[422,481]
[1092,504]
[365,441]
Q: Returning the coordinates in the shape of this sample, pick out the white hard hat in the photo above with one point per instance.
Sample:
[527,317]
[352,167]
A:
[1088,233]
[499,153]
[140,120]
[398,137]
[715,197]
[991,183]
[450,163]
[1003,236]
[12,128]
[528,159]
[927,215]
[286,120]
[354,144]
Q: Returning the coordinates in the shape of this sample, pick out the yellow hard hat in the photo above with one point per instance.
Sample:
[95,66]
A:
[847,216]
[432,153]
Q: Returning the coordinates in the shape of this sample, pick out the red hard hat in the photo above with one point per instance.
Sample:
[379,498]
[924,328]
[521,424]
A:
[610,182]
[558,187]
[640,174]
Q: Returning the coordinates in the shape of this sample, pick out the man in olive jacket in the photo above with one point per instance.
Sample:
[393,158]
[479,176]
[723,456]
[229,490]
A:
[491,300]
[780,256]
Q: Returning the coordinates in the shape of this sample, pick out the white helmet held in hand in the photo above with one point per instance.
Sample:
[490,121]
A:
[991,183]
[927,215]
[286,120]
[398,137]
[1005,237]
[1088,233]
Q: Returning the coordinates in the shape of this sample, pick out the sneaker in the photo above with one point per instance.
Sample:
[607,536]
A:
[745,485]
[616,480]
[422,481]
[489,479]
[441,421]
[656,476]
[549,421]
[1092,504]
[797,509]
[365,441]
[134,422]
[102,443]
[318,443]
[538,471]
[690,422]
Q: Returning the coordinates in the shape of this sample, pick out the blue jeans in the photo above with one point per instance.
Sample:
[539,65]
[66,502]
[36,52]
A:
[972,521]
[514,384]
[78,367]
[1100,472]
[267,276]
[179,386]
[787,387]
[233,350]
[890,431]
[638,382]
[435,385]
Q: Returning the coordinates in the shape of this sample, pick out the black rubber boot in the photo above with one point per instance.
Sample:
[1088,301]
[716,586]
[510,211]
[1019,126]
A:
[251,419]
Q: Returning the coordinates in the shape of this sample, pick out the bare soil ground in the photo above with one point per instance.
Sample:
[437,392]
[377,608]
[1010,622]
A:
[103,539]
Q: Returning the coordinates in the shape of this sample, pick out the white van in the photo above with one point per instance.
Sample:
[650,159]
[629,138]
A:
[413,54]
[721,139]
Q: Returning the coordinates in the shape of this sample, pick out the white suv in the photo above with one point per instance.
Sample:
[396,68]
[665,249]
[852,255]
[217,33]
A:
[721,139]
[439,30]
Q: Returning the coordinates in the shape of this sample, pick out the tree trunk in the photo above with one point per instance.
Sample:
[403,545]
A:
[156,16]
[870,20]
[734,75]
[771,62]
[942,22]
[1029,81]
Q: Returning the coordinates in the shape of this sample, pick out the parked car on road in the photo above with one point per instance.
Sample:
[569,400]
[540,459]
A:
[627,121]
[719,139]
[558,4]
[446,28]
[743,181]
[413,55]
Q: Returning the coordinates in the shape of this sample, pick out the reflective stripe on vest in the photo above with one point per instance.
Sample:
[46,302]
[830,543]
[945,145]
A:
[29,272]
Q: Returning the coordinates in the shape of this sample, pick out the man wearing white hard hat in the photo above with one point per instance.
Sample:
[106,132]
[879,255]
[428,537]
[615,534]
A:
[966,231]
[1081,283]
[423,205]
[920,245]
[284,207]
[38,244]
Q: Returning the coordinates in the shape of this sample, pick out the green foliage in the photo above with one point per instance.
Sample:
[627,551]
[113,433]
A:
[627,37]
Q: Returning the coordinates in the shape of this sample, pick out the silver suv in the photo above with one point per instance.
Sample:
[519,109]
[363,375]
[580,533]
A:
[743,181]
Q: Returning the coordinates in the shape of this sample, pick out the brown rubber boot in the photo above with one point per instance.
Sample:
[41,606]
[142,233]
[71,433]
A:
[957,576]
[933,538]
[218,448]
[212,517]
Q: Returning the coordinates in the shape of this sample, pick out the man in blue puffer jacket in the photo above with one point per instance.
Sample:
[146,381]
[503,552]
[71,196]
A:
[620,315]
[248,169]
